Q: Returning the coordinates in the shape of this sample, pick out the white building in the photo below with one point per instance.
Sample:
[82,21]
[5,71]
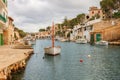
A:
[83,30]
[76,32]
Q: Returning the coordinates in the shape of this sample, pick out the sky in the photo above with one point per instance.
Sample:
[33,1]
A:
[32,15]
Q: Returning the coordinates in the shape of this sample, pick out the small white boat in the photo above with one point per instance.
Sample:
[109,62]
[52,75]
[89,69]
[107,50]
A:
[64,40]
[54,50]
[81,41]
[103,43]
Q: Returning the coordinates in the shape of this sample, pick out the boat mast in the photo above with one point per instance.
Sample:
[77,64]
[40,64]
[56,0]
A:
[53,34]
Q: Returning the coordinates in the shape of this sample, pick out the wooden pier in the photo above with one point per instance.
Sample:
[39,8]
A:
[11,60]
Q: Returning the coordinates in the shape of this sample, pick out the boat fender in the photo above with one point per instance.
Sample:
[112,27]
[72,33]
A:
[89,56]
[81,60]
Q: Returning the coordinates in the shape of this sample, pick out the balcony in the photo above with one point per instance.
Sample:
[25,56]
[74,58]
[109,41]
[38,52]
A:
[3,18]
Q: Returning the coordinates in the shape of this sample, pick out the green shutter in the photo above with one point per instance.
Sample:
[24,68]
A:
[1,39]
[3,18]
[92,38]
[98,37]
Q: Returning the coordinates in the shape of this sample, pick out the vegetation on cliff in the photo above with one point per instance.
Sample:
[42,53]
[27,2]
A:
[21,32]
[111,8]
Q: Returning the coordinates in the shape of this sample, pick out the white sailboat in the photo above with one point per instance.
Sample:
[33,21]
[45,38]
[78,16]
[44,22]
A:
[53,50]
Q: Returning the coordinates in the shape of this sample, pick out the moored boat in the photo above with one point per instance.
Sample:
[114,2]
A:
[81,41]
[54,50]
[64,40]
[103,43]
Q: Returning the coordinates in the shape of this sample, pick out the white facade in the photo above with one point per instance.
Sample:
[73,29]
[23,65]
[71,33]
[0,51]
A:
[83,31]
[75,32]
[86,32]
[89,28]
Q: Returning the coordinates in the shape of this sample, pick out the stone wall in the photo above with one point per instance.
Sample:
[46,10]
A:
[111,34]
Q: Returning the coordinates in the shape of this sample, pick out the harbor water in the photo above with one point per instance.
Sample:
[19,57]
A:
[98,62]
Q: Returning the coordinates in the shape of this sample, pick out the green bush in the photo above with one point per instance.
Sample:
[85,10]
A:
[116,14]
[22,33]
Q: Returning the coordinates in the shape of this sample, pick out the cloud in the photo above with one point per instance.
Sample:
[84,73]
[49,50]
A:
[30,15]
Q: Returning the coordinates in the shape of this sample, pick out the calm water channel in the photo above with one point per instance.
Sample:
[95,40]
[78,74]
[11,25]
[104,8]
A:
[104,63]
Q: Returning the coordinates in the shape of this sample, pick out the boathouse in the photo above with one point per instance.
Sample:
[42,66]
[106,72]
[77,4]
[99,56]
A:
[110,33]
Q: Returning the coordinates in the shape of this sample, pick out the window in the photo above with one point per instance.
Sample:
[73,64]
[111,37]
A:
[85,36]
[98,12]
[91,28]
[92,12]
[87,17]
[81,30]
[85,29]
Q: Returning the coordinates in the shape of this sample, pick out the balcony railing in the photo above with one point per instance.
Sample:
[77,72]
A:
[3,18]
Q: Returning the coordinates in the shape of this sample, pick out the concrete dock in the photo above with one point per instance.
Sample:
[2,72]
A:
[12,60]
[115,42]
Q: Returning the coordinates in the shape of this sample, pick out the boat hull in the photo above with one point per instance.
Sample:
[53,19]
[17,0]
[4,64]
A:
[81,41]
[102,43]
[52,50]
